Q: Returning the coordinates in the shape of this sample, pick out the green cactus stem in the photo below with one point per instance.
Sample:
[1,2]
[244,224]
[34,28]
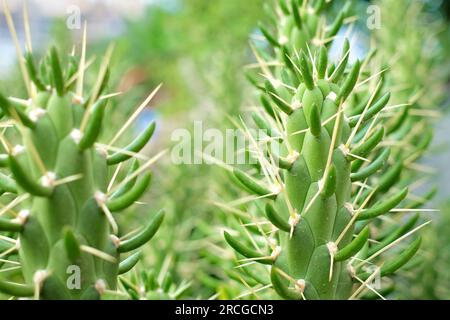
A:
[59,171]
[325,194]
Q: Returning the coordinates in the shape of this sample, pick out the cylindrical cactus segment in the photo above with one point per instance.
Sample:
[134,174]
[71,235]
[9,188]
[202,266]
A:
[68,241]
[331,155]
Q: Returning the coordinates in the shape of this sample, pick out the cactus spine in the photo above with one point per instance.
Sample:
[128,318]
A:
[60,174]
[318,191]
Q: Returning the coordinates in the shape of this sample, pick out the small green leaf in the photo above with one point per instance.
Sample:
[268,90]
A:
[353,247]
[57,74]
[128,264]
[383,206]
[134,147]
[246,251]
[144,236]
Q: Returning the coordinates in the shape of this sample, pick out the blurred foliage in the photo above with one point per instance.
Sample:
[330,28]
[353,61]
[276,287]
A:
[431,280]
[195,48]
[417,51]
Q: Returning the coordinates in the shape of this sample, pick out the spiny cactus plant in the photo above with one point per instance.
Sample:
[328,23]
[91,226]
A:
[330,180]
[296,25]
[59,172]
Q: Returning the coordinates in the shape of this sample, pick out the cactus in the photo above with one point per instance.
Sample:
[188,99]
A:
[421,74]
[59,174]
[328,181]
[149,286]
